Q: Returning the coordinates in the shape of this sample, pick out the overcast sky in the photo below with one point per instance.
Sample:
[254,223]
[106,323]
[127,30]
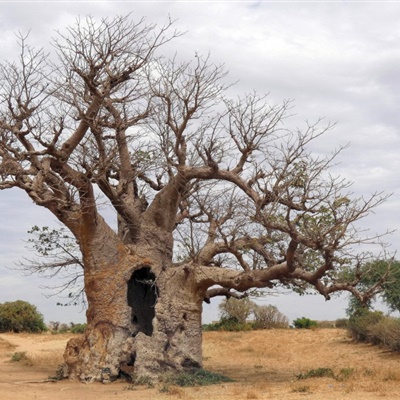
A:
[339,60]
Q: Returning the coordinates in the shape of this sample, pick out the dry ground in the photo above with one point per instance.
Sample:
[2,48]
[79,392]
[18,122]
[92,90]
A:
[264,365]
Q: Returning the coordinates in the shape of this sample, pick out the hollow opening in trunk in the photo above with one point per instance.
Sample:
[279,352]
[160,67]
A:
[142,298]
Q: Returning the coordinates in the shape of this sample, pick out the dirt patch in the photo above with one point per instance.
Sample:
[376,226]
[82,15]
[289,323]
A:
[263,363]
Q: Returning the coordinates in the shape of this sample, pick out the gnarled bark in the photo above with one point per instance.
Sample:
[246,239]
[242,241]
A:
[141,320]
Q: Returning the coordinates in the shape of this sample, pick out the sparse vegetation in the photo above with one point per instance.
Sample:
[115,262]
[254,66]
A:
[56,327]
[269,317]
[172,390]
[375,328]
[301,389]
[386,332]
[59,373]
[342,323]
[197,377]
[326,359]
[193,377]
[230,325]
[235,312]
[19,356]
[326,324]
[78,328]
[251,395]
[316,373]
[361,322]
[344,374]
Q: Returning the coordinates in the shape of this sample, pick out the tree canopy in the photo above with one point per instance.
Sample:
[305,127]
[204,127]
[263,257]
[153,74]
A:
[384,277]
[108,115]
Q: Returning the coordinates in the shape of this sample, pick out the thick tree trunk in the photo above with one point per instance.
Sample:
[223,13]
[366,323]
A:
[176,338]
[142,320]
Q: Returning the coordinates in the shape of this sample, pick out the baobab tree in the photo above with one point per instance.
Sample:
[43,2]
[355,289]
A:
[212,196]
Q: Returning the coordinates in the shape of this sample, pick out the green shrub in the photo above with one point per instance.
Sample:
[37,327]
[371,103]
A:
[343,375]
[230,325]
[304,323]
[20,316]
[78,328]
[317,373]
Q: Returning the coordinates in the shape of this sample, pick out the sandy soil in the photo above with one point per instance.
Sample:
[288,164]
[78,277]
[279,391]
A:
[264,365]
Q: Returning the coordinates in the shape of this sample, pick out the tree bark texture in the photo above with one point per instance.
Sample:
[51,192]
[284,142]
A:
[143,319]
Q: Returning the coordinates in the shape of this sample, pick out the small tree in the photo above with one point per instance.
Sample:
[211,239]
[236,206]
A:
[20,316]
[237,309]
[269,317]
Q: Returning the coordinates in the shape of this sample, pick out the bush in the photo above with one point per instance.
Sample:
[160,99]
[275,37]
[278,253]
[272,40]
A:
[58,327]
[234,314]
[78,328]
[269,317]
[375,328]
[230,325]
[304,323]
[239,309]
[361,322]
[20,316]
[385,332]
[342,323]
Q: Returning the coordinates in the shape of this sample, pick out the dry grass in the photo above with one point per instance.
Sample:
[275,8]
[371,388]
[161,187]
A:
[5,346]
[41,350]
[46,360]
[175,391]
[265,365]
[277,357]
